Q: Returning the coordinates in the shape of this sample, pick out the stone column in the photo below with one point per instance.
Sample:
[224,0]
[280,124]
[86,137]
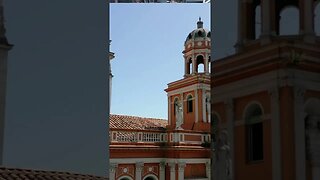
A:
[186,67]
[112,171]
[299,132]
[206,64]
[181,166]
[313,145]
[194,66]
[162,173]
[182,105]
[204,109]
[139,168]
[266,22]
[308,20]
[208,170]
[241,17]
[209,109]
[196,105]
[275,136]
[172,171]
[169,109]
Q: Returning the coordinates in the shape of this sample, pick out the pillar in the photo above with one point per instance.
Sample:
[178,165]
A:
[162,174]
[196,106]
[182,105]
[208,170]
[112,171]
[139,168]
[266,22]
[172,171]
[194,66]
[313,133]
[275,136]
[204,109]
[181,167]
[299,129]
[186,66]
[169,109]
[308,21]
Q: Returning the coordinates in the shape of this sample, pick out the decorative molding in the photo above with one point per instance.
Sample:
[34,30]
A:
[181,166]
[158,160]
[189,88]
[139,166]
[264,82]
[113,167]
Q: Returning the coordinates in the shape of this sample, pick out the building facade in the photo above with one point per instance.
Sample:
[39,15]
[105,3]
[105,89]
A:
[177,148]
[267,96]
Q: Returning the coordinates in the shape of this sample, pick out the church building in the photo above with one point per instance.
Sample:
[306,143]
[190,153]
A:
[177,148]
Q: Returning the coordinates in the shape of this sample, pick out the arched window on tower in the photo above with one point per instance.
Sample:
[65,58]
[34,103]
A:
[200,64]
[189,66]
[254,133]
[189,104]
[317,19]
[258,22]
[289,21]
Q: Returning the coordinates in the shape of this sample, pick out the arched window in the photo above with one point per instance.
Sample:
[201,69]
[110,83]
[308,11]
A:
[258,22]
[189,104]
[289,21]
[125,178]
[200,64]
[150,177]
[317,19]
[254,133]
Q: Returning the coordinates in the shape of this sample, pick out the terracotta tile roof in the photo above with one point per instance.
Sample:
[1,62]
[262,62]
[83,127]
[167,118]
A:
[136,123]
[25,174]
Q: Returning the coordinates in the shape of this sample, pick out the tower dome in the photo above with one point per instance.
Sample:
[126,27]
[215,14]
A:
[198,34]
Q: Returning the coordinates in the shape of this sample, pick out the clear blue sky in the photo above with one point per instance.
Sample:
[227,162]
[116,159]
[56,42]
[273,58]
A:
[148,42]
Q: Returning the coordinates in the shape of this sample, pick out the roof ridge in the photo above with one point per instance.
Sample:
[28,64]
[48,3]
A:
[135,116]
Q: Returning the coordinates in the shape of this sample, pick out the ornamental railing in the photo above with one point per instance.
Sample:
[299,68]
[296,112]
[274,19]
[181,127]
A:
[129,136]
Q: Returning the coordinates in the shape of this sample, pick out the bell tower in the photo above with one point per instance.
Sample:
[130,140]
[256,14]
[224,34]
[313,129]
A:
[4,48]
[189,97]
[268,17]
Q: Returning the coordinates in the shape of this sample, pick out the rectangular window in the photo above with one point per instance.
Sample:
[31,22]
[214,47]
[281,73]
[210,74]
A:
[190,105]
[255,142]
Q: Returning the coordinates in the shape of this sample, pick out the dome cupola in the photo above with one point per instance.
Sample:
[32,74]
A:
[197,48]
[198,34]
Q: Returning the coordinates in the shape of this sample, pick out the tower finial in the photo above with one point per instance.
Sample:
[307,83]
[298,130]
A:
[199,23]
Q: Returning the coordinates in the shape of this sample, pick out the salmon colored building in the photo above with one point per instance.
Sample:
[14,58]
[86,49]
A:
[177,148]
[266,97]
